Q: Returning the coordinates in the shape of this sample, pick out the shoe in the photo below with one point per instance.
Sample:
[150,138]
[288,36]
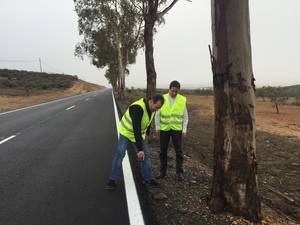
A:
[161,176]
[179,177]
[111,185]
[151,183]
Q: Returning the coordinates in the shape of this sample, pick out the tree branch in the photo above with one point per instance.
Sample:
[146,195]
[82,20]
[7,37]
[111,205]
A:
[167,9]
[135,41]
[140,9]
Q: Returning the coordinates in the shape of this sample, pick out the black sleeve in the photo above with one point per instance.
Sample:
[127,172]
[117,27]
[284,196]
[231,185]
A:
[136,114]
[148,131]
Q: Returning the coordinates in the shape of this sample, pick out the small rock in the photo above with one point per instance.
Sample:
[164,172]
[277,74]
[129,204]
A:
[183,210]
[160,196]
[193,182]
[187,156]
[267,141]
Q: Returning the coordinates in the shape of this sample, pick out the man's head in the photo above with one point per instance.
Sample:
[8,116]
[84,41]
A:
[174,88]
[155,102]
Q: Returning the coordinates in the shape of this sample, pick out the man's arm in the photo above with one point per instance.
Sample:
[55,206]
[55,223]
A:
[185,120]
[156,120]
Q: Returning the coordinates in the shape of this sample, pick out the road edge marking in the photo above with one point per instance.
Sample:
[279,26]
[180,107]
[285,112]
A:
[133,203]
[7,139]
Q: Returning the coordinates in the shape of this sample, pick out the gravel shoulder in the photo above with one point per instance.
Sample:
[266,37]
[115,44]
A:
[186,202]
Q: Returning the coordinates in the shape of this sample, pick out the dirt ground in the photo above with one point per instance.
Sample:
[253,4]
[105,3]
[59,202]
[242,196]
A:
[278,152]
[14,102]
[286,123]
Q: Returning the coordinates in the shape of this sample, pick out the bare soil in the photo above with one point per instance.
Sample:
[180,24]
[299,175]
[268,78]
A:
[278,152]
[14,102]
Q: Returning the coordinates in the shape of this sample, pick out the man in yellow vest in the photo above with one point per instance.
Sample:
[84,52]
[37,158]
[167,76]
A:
[133,128]
[171,122]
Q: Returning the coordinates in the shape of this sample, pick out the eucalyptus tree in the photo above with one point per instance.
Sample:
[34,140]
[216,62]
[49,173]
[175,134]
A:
[234,185]
[112,34]
[153,12]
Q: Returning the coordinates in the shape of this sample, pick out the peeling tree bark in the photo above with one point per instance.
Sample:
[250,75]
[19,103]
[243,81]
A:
[121,75]
[150,19]
[234,186]
[121,68]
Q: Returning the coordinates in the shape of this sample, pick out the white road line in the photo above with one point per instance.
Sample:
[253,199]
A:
[72,107]
[133,203]
[7,139]
[46,103]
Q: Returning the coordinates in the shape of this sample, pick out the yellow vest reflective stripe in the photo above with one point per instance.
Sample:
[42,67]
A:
[125,125]
[172,117]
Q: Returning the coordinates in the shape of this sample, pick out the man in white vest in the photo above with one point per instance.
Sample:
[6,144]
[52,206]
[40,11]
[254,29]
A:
[171,122]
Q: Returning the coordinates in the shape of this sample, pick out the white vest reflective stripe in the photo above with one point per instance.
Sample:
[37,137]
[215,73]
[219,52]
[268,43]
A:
[172,117]
[125,125]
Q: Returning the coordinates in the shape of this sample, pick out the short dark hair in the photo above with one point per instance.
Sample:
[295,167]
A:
[157,98]
[174,83]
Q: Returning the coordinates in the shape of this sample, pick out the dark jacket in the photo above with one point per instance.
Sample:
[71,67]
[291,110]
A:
[136,114]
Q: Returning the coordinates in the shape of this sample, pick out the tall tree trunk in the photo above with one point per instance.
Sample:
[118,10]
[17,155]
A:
[277,108]
[118,85]
[115,87]
[121,68]
[234,186]
[121,72]
[150,68]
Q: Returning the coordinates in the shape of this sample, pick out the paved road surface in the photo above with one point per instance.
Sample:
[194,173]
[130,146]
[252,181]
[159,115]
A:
[55,165]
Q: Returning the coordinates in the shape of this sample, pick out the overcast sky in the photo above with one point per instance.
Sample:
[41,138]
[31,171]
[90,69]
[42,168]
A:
[48,29]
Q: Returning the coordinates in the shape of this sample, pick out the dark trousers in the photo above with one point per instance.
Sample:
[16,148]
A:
[164,144]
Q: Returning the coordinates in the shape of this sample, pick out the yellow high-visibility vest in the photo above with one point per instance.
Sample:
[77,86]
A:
[125,125]
[171,118]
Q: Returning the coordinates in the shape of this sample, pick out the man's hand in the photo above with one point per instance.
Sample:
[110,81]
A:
[184,135]
[140,155]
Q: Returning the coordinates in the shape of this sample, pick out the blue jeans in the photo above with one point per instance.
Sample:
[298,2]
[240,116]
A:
[123,143]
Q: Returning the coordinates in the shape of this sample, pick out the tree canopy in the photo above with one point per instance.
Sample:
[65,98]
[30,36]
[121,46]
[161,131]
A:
[111,32]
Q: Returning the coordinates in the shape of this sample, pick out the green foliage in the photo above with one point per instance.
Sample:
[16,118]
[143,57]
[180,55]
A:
[291,91]
[30,81]
[109,26]
[288,91]
[111,74]
[278,95]
[200,91]
[297,101]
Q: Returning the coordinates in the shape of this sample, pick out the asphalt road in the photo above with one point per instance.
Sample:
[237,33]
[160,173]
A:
[54,168]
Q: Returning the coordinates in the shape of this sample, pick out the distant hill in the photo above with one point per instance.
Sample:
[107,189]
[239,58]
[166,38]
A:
[291,91]
[19,82]
[34,80]
[288,91]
